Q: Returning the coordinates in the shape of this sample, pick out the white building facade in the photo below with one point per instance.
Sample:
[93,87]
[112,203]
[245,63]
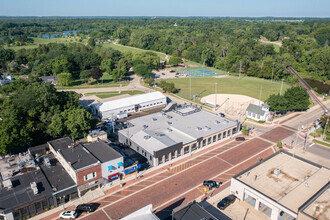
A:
[131,104]
[258,112]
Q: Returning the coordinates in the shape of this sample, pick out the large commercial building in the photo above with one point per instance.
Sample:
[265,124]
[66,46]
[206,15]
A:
[285,186]
[131,104]
[177,130]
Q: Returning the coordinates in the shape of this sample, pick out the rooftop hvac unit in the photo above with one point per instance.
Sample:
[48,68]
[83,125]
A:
[277,171]
[147,137]
[34,188]
[7,183]
[47,162]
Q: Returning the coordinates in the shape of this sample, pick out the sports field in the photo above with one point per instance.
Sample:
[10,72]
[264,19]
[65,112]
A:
[230,85]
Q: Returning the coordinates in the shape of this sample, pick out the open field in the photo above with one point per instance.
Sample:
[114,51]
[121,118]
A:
[103,95]
[124,49]
[38,41]
[230,85]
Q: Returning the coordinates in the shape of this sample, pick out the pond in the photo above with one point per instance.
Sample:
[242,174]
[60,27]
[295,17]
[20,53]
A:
[58,35]
[321,87]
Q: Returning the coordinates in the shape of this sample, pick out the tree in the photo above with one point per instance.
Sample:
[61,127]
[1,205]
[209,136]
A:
[208,56]
[277,103]
[118,74]
[175,61]
[64,79]
[78,122]
[61,64]
[97,74]
[6,55]
[91,42]
[142,70]
[107,65]
[85,75]
[149,80]
[297,99]
[244,130]
[167,87]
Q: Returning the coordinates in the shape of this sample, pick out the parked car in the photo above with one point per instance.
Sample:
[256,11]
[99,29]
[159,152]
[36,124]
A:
[226,202]
[240,139]
[222,115]
[85,208]
[211,183]
[163,74]
[68,215]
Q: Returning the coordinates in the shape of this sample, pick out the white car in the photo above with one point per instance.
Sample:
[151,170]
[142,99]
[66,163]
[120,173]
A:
[68,215]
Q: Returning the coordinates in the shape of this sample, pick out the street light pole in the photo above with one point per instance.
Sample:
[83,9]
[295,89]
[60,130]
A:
[190,84]
[216,87]
[281,87]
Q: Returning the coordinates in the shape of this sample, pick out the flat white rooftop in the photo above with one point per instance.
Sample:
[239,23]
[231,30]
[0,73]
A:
[129,101]
[297,182]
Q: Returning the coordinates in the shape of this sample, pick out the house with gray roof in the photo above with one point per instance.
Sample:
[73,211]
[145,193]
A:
[258,112]
[174,132]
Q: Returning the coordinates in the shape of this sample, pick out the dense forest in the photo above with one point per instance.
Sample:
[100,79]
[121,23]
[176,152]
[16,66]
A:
[225,43]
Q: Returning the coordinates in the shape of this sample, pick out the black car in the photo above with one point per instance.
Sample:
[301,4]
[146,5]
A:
[240,139]
[211,183]
[86,208]
[226,202]
[222,115]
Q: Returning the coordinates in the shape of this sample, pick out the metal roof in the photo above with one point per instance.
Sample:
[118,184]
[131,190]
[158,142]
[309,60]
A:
[256,109]
[129,101]
[102,151]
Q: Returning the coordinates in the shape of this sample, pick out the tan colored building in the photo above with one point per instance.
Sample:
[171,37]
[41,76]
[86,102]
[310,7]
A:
[95,136]
[282,185]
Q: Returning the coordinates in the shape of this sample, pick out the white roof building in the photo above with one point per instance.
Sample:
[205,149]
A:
[129,105]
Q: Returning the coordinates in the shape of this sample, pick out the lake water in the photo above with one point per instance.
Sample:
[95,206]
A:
[58,35]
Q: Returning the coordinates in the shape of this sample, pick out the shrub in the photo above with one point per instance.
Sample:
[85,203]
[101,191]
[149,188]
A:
[279,144]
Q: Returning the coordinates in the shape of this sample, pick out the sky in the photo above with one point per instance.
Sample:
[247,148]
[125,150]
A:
[184,8]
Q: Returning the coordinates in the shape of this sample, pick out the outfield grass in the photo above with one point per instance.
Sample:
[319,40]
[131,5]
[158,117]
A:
[124,49]
[103,95]
[38,41]
[230,85]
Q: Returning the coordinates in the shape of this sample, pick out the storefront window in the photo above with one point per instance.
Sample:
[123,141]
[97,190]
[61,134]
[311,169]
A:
[74,195]
[214,138]
[209,141]
[38,206]
[16,214]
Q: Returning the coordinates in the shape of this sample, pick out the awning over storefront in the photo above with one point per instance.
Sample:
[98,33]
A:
[120,164]
[113,176]
[110,167]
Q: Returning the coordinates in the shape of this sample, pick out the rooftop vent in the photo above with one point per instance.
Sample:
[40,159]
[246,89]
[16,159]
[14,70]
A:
[47,162]
[147,137]
[169,122]
[217,122]
[277,171]
[169,130]
[154,119]
[145,126]
[34,188]
[206,128]
[169,117]
[198,128]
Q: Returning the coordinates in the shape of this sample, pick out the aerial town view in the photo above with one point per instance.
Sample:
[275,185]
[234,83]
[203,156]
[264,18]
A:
[175,110]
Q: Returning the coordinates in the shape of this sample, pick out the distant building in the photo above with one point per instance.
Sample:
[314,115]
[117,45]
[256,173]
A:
[174,132]
[285,186]
[258,112]
[49,79]
[6,78]
[131,104]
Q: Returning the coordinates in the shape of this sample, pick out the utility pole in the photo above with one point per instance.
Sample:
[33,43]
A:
[273,72]
[260,95]
[216,85]
[281,87]
[190,84]
[325,128]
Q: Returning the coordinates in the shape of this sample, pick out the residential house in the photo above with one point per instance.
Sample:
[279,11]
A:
[6,78]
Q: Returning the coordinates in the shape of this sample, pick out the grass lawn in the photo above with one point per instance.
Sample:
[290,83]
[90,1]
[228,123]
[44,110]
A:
[231,85]
[276,48]
[124,49]
[103,95]
[38,41]
[321,143]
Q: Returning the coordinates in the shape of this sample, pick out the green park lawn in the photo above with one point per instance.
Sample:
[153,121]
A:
[38,41]
[103,95]
[124,49]
[230,85]
[105,81]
